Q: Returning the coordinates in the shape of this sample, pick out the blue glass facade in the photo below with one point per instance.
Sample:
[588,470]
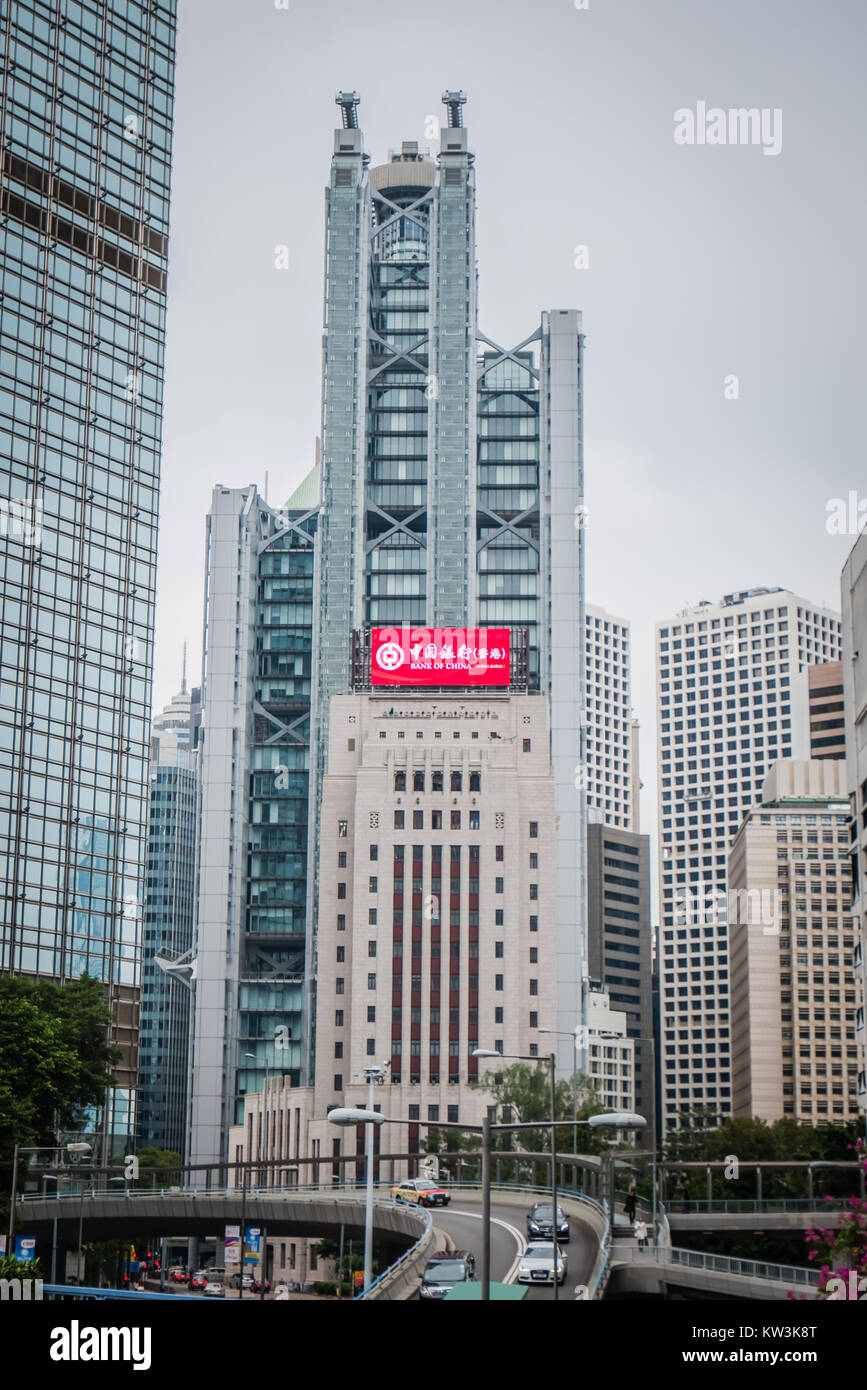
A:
[251,929]
[86,133]
[169,917]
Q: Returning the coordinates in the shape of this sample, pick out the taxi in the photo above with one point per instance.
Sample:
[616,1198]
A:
[420,1192]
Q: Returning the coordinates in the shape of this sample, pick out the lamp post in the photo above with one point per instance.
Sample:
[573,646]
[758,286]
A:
[574,1035]
[72,1148]
[552,1064]
[368,1118]
[612,1120]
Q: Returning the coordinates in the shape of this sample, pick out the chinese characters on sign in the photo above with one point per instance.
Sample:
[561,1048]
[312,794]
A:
[440,656]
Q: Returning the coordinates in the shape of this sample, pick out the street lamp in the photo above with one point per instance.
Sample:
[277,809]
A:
[72,1148]
[369,1117]
[552,1064]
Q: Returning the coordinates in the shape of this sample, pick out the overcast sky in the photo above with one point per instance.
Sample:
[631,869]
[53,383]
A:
[704,262]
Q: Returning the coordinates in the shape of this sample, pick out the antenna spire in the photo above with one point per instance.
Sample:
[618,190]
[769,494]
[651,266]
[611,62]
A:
[184,672]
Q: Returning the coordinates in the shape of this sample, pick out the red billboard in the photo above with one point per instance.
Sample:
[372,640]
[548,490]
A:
[439,656]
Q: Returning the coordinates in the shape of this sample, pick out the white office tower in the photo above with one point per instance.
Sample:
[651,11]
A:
[854,594]
[612,753]
[729,704]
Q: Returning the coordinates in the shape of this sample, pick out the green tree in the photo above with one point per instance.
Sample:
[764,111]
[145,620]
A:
[525,1090]
[55,1061]
[166,1161]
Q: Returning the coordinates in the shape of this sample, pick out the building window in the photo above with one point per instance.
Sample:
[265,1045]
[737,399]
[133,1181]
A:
[474,820]
[400,781]
[418,781]
[498,885]
[475,781]
[433,1112]
[341,921]
[374,851]
[453,1114]
[341,953]
[338,985]
[457,781]
[499,853]
[371,982]
[371,1046]
[418,820]
[498,982]
[371,948]
[456,820]
[341,859]
[498,949]
[436,820]
[338,1049]
[534,955]
[534,861]
[534,892]
[371,916]
[341,890]
[526,744]
[398,820]
[371,1013]
[338,1018]
[534,924]
[343,828]
[499,916]
[534,1020]
[534,830]
[498,1014]
[436,781]
[338,1081]
[534,986]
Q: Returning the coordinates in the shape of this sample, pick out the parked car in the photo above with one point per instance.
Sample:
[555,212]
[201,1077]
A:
[536,1265]
[235,1281]
[213,1289]
[444,1271]
[539,1222]
[420,1192]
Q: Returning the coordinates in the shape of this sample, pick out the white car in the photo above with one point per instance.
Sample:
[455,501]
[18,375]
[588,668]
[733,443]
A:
[536,1265]
[213,1290]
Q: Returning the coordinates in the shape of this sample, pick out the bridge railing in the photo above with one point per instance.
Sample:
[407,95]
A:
[746,1206]
[722,1264]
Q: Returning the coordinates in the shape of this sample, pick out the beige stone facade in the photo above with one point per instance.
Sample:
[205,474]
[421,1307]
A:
[792,944]
[436,930]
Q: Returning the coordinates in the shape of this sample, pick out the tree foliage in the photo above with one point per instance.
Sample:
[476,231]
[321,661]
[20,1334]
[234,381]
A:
[525,1090]
[55,1061]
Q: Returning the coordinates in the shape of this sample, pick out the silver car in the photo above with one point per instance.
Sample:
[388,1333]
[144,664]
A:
[536,1265]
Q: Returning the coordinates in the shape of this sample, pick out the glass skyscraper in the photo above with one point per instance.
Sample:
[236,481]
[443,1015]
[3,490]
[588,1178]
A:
[169,916]
[86,135]
[251,932]
[452,465]
[451,495]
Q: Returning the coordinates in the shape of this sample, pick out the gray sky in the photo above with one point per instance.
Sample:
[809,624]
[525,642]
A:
[704,261]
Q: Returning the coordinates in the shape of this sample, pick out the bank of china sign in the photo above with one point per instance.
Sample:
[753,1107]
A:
[439,656]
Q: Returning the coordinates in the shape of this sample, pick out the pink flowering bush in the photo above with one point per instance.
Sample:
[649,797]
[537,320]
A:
[839,1250]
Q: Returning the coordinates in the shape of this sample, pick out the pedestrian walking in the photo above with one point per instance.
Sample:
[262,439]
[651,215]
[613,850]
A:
[641,1232]
[629,1206]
